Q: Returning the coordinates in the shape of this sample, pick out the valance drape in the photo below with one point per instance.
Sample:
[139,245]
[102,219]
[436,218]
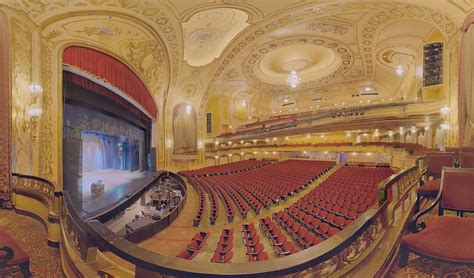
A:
[466,74]
[113,71]
[101,90]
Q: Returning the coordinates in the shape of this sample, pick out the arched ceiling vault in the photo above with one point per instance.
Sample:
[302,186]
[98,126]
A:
[342,45]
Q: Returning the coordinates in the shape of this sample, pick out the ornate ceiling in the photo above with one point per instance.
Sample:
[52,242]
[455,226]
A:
[235,46]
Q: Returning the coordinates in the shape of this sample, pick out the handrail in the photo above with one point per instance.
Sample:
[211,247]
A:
[38,185]
[326,257]
[396,177]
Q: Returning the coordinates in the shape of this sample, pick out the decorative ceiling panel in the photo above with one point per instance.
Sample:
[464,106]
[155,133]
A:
[207,33]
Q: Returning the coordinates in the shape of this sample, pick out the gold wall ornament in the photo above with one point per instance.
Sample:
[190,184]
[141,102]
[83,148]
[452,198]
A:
[21,43]
[47,138]
[5,113]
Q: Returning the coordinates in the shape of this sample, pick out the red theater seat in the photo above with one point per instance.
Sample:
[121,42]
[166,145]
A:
[188,254]
[13,257]
[445,238]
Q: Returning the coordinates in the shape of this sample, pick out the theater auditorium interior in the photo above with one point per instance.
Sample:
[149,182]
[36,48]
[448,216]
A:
[237,138]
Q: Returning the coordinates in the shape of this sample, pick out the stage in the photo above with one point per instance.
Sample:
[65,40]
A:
[119,186]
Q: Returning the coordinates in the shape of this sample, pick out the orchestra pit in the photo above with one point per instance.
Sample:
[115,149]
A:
[237,138]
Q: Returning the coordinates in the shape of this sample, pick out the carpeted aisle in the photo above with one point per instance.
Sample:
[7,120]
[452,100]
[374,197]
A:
[31,236]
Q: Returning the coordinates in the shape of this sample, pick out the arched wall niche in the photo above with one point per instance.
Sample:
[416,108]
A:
[5,113]
[135,50]
[184,129]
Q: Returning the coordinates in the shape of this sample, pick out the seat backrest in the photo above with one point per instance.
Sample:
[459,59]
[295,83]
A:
[288,246]
[437,160]
[466,160]
[467,149]
[262,256]
[457,189]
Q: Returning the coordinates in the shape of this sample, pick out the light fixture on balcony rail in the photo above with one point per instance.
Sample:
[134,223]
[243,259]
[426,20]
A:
[413,130]
[293,79]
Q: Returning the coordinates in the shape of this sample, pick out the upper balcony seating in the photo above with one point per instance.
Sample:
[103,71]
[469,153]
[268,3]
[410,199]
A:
[445,238]
[12,257]
[229,168]
[436,161]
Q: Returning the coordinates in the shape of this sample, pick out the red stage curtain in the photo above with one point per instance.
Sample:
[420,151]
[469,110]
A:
[113,71]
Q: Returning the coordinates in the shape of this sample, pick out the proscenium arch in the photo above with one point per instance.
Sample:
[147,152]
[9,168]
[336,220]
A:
[51,79]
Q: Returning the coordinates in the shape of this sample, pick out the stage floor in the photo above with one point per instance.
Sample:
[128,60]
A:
[110,178]
[119,185]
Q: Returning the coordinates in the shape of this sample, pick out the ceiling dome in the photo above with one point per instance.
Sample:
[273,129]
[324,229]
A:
[310,61]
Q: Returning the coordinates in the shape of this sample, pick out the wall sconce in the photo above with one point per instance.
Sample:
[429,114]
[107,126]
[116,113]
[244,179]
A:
[444,110]
[35,90]
[445,126]
[169,143]
[188,108]
[34,110]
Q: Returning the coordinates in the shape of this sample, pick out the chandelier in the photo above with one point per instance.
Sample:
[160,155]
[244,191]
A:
[293,80]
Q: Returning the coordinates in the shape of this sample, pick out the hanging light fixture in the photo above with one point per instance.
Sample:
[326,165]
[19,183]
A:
[188,108]
[293,79]
[399,70]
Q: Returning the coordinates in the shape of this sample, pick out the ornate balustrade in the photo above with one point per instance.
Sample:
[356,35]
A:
[321,122]
[37,197]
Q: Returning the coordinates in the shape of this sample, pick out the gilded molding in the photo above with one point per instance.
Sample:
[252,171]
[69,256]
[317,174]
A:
[21,78]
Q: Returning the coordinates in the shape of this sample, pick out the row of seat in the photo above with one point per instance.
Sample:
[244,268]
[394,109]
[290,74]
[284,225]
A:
[254,248]
[281,245]
[258,188]
[223,252]
[228,168]
[197,242]
[202,204]
[332,205]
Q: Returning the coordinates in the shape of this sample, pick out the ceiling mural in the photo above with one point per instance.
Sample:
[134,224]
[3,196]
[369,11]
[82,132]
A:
[207,33]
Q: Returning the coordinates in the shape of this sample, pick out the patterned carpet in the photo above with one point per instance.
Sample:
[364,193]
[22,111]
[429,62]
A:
[31,236]
[422,267]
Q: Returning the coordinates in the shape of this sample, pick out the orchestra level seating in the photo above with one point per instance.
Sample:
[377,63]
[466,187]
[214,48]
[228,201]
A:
[255,189]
